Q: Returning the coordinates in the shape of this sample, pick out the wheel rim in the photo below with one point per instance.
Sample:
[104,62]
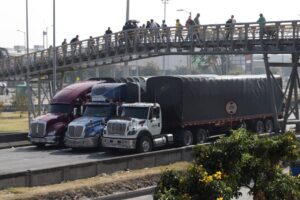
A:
[269,126]
[201,135]
[146,146]
[259,127]
[188,139]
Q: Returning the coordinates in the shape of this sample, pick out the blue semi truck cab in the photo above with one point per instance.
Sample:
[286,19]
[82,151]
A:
[86,131]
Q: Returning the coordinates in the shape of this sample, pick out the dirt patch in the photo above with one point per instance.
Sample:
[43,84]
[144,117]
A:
[93,187]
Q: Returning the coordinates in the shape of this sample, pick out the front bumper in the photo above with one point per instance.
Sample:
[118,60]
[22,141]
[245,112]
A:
[90,142]
[119,143]
[45,140]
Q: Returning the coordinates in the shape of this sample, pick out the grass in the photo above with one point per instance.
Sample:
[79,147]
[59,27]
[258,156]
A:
[12,122]
[78,185]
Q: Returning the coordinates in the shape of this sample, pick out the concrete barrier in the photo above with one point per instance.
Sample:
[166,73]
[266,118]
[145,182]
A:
[12,137]
[94,168]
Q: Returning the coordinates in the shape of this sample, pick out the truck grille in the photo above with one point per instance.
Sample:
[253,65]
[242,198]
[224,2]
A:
[116,128]
[75,131]
[38,129]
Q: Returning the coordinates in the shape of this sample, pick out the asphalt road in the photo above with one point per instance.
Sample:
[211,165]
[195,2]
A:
[31,158]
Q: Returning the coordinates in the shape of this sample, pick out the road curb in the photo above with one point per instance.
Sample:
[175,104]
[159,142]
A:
[129,194]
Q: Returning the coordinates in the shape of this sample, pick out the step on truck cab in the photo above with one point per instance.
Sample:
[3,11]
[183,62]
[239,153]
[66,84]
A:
[190,109]
[86,131]
[65,106]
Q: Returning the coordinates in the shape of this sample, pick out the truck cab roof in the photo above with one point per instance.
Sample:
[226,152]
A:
[71,93]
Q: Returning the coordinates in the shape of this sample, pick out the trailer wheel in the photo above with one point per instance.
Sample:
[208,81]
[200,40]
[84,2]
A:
[259,126]
[144,144]
[269,126]
[184,138]
[200,136]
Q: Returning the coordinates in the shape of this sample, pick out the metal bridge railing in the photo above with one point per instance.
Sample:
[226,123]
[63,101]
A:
[243,36]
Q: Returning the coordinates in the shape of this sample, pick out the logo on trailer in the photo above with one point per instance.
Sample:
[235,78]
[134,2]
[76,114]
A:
[231,107]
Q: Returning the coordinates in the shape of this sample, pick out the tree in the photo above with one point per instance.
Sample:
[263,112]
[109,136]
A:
[20,103]
[219,64]
[151,69]
[243,159]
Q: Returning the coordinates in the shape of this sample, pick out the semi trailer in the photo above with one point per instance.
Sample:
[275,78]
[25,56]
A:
[189,109]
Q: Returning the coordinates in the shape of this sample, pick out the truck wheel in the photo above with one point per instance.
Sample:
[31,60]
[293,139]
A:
[269,126]
[259,126]
[200,136]
[99,146]
[184,138]
[144,144]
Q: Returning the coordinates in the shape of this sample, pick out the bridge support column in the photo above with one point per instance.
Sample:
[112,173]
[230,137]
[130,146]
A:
[39,94]
[271,93]
[292,98]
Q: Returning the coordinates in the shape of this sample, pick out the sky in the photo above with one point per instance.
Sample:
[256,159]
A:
[92,17]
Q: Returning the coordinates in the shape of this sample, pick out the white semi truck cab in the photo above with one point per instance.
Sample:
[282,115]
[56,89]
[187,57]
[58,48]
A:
[138,127]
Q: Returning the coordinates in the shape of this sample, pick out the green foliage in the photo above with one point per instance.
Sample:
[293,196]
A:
[243,159]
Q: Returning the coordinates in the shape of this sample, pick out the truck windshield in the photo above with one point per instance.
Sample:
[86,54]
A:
[60,108]
[135,112]
[97,111]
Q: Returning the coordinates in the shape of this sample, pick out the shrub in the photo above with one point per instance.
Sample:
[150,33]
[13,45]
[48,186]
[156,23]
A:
[243,159]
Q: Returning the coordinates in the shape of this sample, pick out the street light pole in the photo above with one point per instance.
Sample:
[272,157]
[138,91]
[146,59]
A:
[29,103]
[127,10]
[126,71]
[54,52]
[165,16]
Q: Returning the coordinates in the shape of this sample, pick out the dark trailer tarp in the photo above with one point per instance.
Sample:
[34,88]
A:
[193,100]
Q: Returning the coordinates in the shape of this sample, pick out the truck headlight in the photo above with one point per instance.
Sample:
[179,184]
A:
[132,132]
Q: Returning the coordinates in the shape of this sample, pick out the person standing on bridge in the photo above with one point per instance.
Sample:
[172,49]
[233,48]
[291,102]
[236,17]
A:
[178,31]
[164,34]
[190,28]
[261,21]
[197,28]
[91,45]
[107,37]
[64,46]
[229,27]
[74,43]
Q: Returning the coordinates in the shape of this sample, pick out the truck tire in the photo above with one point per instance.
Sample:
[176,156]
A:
[144,144]
[184,138]
[259,127]
[269,126]
[200,136]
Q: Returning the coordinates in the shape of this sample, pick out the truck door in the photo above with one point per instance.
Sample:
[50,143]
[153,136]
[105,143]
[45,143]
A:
[155,121]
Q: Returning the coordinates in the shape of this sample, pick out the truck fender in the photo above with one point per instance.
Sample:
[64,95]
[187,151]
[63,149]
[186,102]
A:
[144,132]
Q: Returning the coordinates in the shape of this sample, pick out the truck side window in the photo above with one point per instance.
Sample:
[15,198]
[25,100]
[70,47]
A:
[155,112]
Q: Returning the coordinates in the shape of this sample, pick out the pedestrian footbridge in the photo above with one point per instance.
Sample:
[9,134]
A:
[280,37]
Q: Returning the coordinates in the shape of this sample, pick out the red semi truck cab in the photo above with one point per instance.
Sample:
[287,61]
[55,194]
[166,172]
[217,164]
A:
[65,106]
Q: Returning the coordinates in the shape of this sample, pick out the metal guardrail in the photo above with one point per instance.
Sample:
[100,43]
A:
[242,38]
